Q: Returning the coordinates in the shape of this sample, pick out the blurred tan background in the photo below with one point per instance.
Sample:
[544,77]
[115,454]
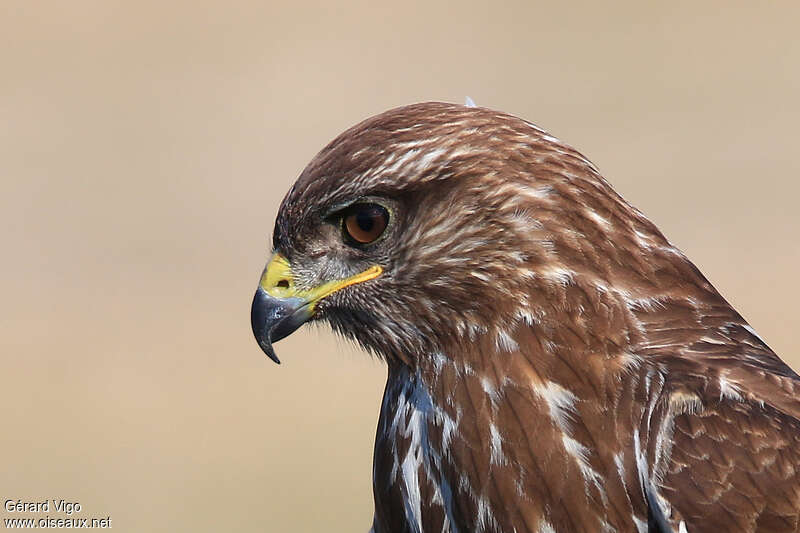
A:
[145,147]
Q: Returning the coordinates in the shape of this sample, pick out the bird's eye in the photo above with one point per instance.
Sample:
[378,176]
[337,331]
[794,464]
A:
[364,223]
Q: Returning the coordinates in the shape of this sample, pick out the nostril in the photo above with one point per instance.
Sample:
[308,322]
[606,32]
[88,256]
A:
[283,284]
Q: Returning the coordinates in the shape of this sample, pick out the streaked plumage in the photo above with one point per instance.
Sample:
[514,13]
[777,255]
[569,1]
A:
[555,364]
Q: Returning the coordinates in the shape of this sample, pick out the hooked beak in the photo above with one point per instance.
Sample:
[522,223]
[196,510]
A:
[279,307]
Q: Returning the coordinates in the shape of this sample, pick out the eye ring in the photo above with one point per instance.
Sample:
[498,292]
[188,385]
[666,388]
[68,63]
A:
[364,223]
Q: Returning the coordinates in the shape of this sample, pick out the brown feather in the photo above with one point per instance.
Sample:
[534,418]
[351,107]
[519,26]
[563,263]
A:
[555,364]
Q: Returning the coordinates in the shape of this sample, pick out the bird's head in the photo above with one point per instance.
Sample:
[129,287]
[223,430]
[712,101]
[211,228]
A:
[435,224]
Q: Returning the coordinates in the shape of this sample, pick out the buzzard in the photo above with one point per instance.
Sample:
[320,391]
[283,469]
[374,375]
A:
[555,364]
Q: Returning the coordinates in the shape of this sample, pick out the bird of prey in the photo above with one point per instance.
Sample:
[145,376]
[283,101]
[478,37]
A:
[555,364]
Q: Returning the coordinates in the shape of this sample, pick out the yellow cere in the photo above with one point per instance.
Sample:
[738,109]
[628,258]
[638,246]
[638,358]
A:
[278,282]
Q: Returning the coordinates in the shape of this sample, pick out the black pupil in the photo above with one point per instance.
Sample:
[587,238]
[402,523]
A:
[366,219]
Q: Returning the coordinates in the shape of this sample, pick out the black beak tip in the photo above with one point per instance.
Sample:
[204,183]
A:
[267,347]
[273,318]
[259,314]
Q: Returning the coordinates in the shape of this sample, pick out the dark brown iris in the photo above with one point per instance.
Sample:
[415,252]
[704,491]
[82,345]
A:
[364,223]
